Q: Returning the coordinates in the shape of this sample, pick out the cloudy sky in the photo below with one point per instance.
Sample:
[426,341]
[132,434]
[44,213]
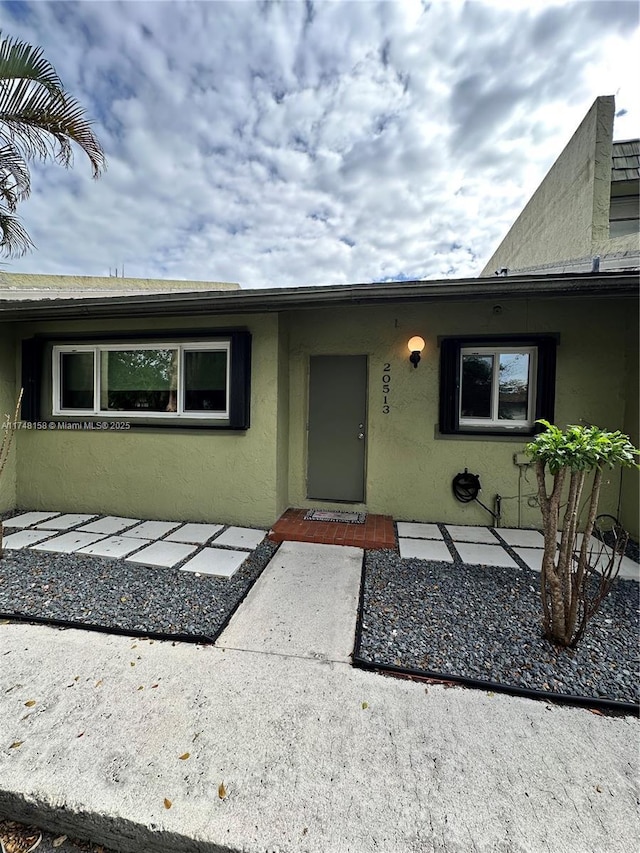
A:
[299,143]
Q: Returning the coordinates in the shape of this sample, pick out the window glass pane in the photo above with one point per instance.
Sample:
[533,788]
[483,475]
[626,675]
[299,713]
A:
[475,393]
[205,380]
[76,380]
[139,380]
[513,392]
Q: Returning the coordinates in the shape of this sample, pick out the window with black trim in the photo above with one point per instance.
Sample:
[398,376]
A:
[496,385]
[163,380]
[185,379]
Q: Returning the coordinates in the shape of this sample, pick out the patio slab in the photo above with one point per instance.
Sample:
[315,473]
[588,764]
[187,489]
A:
[241,537]
[532,557]
[109,525]
[218,562]
[521,538]
[478,554]
[66,521]
[425,549]
[25,538]
[67,543]
[28,518]
[195,534]
[629,569]
[114,547]
[470,533]
[153,529]
[162,554]
[418,530]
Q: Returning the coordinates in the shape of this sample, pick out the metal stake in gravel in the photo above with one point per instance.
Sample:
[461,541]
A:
[8,430]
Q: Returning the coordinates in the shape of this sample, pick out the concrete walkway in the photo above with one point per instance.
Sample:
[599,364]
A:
[304,604]
[128,742]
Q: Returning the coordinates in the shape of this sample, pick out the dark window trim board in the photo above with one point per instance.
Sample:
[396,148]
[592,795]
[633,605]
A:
[36,349]
[450,347]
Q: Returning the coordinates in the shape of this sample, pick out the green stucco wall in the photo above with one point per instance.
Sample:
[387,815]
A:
[249,478]
[228,477]
[282,449]
[410,468]
[7,407]
[630,493]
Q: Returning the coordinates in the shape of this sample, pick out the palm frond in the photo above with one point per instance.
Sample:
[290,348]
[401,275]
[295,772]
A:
[43,125]
[37,120]
[15,241]
[36,115]
[21,61]
[15,180]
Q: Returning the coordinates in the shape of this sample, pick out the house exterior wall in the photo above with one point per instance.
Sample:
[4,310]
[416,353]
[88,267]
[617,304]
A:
[282,449]
[224,476]
[568,215]
[7,407]
[409,466]
[630,492]
[251,477]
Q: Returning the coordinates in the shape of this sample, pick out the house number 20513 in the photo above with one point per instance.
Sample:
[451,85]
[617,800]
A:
[386,388]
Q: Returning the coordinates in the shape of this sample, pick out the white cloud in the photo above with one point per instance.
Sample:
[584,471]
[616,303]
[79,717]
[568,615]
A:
[281,144]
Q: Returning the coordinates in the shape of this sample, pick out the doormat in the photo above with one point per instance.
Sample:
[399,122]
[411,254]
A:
[341,516]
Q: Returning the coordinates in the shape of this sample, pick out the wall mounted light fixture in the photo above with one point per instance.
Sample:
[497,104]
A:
[415,345]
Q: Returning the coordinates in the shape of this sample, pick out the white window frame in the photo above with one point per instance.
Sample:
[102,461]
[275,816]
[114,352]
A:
[97,349]
[493,422]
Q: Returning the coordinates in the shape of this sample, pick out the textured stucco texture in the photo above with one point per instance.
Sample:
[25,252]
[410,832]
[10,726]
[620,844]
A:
[250,477]
[7,408]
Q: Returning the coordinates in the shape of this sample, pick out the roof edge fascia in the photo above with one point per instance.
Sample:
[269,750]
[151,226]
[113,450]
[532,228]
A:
[567,285]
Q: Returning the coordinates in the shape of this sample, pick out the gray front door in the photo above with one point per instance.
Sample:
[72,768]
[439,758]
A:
[337,427]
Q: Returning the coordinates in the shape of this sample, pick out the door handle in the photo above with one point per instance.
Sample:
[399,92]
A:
[360,435]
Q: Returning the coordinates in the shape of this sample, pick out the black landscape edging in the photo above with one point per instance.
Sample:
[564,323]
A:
[614,705]
[228,618]
[480,684]
[200,639]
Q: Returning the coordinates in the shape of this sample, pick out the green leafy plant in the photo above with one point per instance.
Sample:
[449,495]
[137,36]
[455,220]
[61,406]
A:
[568,573]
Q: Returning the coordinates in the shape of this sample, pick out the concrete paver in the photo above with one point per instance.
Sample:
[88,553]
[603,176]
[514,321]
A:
[471,533]
[114,547]
[64,522]
[25,538]
[162,554]
[67,543]
[521,537]
[532,557]
[194,533]
[218,562]
[153,529]
[241,537]
[484,555]
[28,518]
[424,549]
[418,530]
[110,524]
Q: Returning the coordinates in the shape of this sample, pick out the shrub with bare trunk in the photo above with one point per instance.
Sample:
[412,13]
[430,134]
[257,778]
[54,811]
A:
[574,582]
[8,430]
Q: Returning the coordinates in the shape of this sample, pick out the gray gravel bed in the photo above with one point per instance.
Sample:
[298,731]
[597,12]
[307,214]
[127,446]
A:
[113,593]
[484,622]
